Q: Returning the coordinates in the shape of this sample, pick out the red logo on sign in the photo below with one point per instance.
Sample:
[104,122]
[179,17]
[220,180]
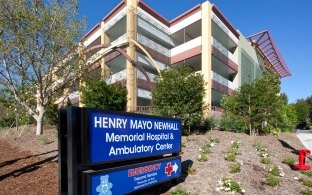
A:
[168,169]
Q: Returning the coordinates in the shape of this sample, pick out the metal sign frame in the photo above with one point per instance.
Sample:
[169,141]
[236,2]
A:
[86,156]
[73,137]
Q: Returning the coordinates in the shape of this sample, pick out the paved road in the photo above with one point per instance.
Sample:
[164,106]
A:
[305,136]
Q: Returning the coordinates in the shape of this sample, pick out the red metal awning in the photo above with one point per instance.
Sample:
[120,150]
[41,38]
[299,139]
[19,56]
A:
[264,43]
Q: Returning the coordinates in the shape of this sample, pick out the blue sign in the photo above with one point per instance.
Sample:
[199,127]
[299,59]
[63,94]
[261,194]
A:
[131,178]
[116,137]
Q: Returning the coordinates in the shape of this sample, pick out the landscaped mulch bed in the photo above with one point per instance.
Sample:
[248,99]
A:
[28,164]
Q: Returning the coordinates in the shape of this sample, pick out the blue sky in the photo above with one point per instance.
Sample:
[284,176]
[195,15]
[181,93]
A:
[289,22]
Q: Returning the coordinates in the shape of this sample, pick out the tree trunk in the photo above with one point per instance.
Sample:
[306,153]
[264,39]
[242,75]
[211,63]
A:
[16,119]
[39,120]
[249,113]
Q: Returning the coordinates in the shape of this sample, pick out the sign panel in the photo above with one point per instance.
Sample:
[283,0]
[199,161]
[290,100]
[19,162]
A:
[134,177]
[116,137]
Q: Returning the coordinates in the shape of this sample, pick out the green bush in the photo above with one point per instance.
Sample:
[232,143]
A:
[190,170]
[232,123]
[51,114]
[202,157]
[289,161]
[7,121]
[274,171]
[265,160]
[230,157]
[307,172]
[179,93]
[44,139]
[213,140]
[306,182]
[235,167]
[230,185]
[259,148]
[10,118]
[210,122]
[272,181]
[306,192]
[98,94]
[179,191]
[235,186]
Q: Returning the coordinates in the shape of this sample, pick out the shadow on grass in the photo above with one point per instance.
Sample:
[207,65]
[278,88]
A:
[164,187]
[27,169]
[10,162]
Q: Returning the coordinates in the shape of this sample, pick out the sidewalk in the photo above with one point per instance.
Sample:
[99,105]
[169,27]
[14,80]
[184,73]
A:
[305,136]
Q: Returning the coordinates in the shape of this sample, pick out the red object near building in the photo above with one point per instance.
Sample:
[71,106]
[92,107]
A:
[302,157]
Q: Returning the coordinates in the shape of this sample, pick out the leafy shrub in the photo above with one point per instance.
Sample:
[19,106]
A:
[229,185]
[98,94]
[307,172]
[179,93]
[190,170]
[43,139]
[179,191]
[235,167]
[213,140]
[272,180]
[232,123]
[7,121]
[289,161]
[276,171]
[235,144]
[273,130]
[206,149]
[230,157]
[202,157]
[306,192]
[210,122]
[306,182]
[51,114]
[259,148]
[265,160]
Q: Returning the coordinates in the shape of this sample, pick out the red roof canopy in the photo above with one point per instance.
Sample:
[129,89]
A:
[264,42]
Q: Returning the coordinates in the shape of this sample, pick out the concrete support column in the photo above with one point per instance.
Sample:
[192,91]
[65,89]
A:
[206,59]
[104,40]
[131,30]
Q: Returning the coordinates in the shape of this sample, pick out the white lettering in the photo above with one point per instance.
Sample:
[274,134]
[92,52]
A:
[163,146]
[107,122]
[165,126]
[139,124]
[130,150]
[112,137]
[97,122]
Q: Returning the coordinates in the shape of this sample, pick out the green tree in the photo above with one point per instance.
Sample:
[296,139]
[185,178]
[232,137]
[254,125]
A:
[34,40]
[284,98]
[302,109]
[179,93]
[231,122]
[309,101]
[97,94]
[291,115]
[257,102]
[7,116]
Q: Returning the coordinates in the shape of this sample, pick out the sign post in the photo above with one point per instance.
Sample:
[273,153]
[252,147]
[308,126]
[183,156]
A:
[101,146]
